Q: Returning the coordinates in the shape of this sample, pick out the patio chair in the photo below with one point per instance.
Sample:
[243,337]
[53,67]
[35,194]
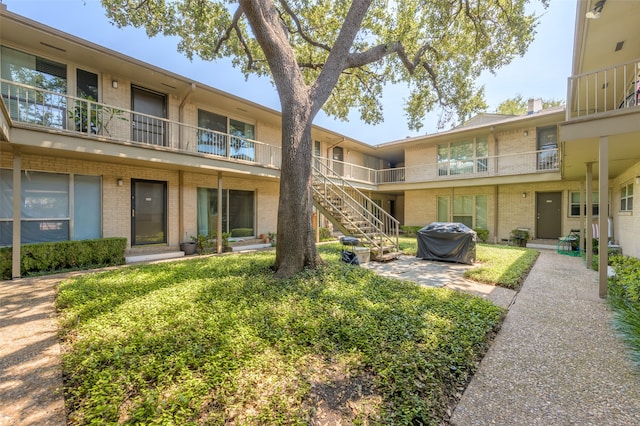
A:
[569,244]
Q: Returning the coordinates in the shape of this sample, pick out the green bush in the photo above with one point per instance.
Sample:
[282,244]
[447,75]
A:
[410,231]
[624,297]
[324,234]
[242,232]
[626,283]
[483,234]
[64,255]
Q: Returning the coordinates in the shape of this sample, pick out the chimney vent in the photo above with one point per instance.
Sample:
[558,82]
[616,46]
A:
[535,105]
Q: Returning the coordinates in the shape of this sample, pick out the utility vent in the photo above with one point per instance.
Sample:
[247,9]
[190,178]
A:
[619,46]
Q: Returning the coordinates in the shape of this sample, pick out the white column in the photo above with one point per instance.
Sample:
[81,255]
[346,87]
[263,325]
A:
[17,203]
[589,221]
[603,216]
[219,224]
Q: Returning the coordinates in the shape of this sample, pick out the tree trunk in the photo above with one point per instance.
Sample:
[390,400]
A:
[295,248]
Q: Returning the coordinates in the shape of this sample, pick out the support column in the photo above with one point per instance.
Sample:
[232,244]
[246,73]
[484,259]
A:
[603,216]
[17,204]
[182,234]
[219,224]
[583,227]
[589,221]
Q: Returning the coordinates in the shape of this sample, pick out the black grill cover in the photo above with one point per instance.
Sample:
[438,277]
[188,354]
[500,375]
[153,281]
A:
[451,242]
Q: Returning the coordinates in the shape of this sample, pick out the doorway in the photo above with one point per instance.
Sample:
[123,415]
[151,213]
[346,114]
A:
[150,127]
[549,215]
[148,212]
[338,158]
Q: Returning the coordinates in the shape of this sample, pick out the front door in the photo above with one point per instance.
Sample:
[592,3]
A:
[549,214]
[148,212]
[338,158]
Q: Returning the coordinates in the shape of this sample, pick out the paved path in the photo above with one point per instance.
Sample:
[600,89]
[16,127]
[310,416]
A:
[30,373]
[441,274]
[556,360]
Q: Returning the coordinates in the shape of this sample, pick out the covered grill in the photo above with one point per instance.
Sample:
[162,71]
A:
[447,241]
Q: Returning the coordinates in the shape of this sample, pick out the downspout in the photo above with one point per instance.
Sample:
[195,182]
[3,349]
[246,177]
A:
[181,116]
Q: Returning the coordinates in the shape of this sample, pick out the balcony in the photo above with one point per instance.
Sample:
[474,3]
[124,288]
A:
[46,110]
[608,90]
[503,165]
[40,108]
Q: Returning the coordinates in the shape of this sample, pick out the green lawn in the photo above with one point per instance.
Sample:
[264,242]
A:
[217,340]
[504,266]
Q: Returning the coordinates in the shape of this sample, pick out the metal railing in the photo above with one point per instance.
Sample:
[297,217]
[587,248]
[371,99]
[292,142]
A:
[52,110]
[355,211]
[511,164]
[607,89]
[38,107]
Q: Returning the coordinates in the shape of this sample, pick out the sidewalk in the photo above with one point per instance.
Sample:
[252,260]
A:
[30,372]
[556,360]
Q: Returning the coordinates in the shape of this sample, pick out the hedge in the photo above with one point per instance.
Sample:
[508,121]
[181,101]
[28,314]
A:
[46,258]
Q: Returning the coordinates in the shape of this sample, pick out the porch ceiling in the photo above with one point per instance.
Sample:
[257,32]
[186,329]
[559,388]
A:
[624,151]
[596,44]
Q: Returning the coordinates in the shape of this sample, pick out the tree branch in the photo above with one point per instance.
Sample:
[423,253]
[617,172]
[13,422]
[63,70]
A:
[299,28]
[234,25]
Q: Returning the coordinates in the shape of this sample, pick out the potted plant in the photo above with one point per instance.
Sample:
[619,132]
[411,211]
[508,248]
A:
[188,247]
[271,236]
[520,237]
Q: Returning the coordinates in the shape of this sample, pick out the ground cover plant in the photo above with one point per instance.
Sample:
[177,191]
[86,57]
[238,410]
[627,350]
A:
[500,265]
[624,297]
[217,340]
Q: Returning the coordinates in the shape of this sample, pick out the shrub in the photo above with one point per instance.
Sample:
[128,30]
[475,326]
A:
[64,255]
[410,231]
[324,234]
[242,232]
[483,234]
[624,292]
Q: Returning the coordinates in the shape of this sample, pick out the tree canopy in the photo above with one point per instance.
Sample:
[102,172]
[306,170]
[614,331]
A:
[438,48]
[518,105]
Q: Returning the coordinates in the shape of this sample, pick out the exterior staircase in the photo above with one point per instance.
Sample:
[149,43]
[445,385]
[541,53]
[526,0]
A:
[355,214]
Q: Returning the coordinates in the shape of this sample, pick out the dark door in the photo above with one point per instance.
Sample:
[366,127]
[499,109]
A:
[549,214]
[338,158]
[148,212]
[150,127]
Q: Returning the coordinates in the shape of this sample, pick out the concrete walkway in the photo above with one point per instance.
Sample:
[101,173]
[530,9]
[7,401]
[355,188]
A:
[441,274]
[30,372]
[556,360]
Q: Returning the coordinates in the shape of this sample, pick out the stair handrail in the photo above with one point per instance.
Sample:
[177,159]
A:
[386,225]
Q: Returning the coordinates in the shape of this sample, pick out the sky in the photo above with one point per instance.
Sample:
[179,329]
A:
[541,73]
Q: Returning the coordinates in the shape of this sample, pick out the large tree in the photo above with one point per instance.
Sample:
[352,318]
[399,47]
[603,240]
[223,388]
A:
[337,55]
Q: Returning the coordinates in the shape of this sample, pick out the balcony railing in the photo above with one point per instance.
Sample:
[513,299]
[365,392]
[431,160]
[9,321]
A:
[51,110]
[608,89]
[502,165]
[33,106]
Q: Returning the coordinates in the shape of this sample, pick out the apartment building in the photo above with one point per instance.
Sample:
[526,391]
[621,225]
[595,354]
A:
[99,144]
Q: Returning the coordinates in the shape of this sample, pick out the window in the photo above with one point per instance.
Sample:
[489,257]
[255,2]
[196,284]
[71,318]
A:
[463,157]
[242,140]
[45,107]
[547,147]
[222,131]
[46,205]
[468,209]
[214,139]
[237,210]
[574,204]
[626,198]
[443,209]
[148,126]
